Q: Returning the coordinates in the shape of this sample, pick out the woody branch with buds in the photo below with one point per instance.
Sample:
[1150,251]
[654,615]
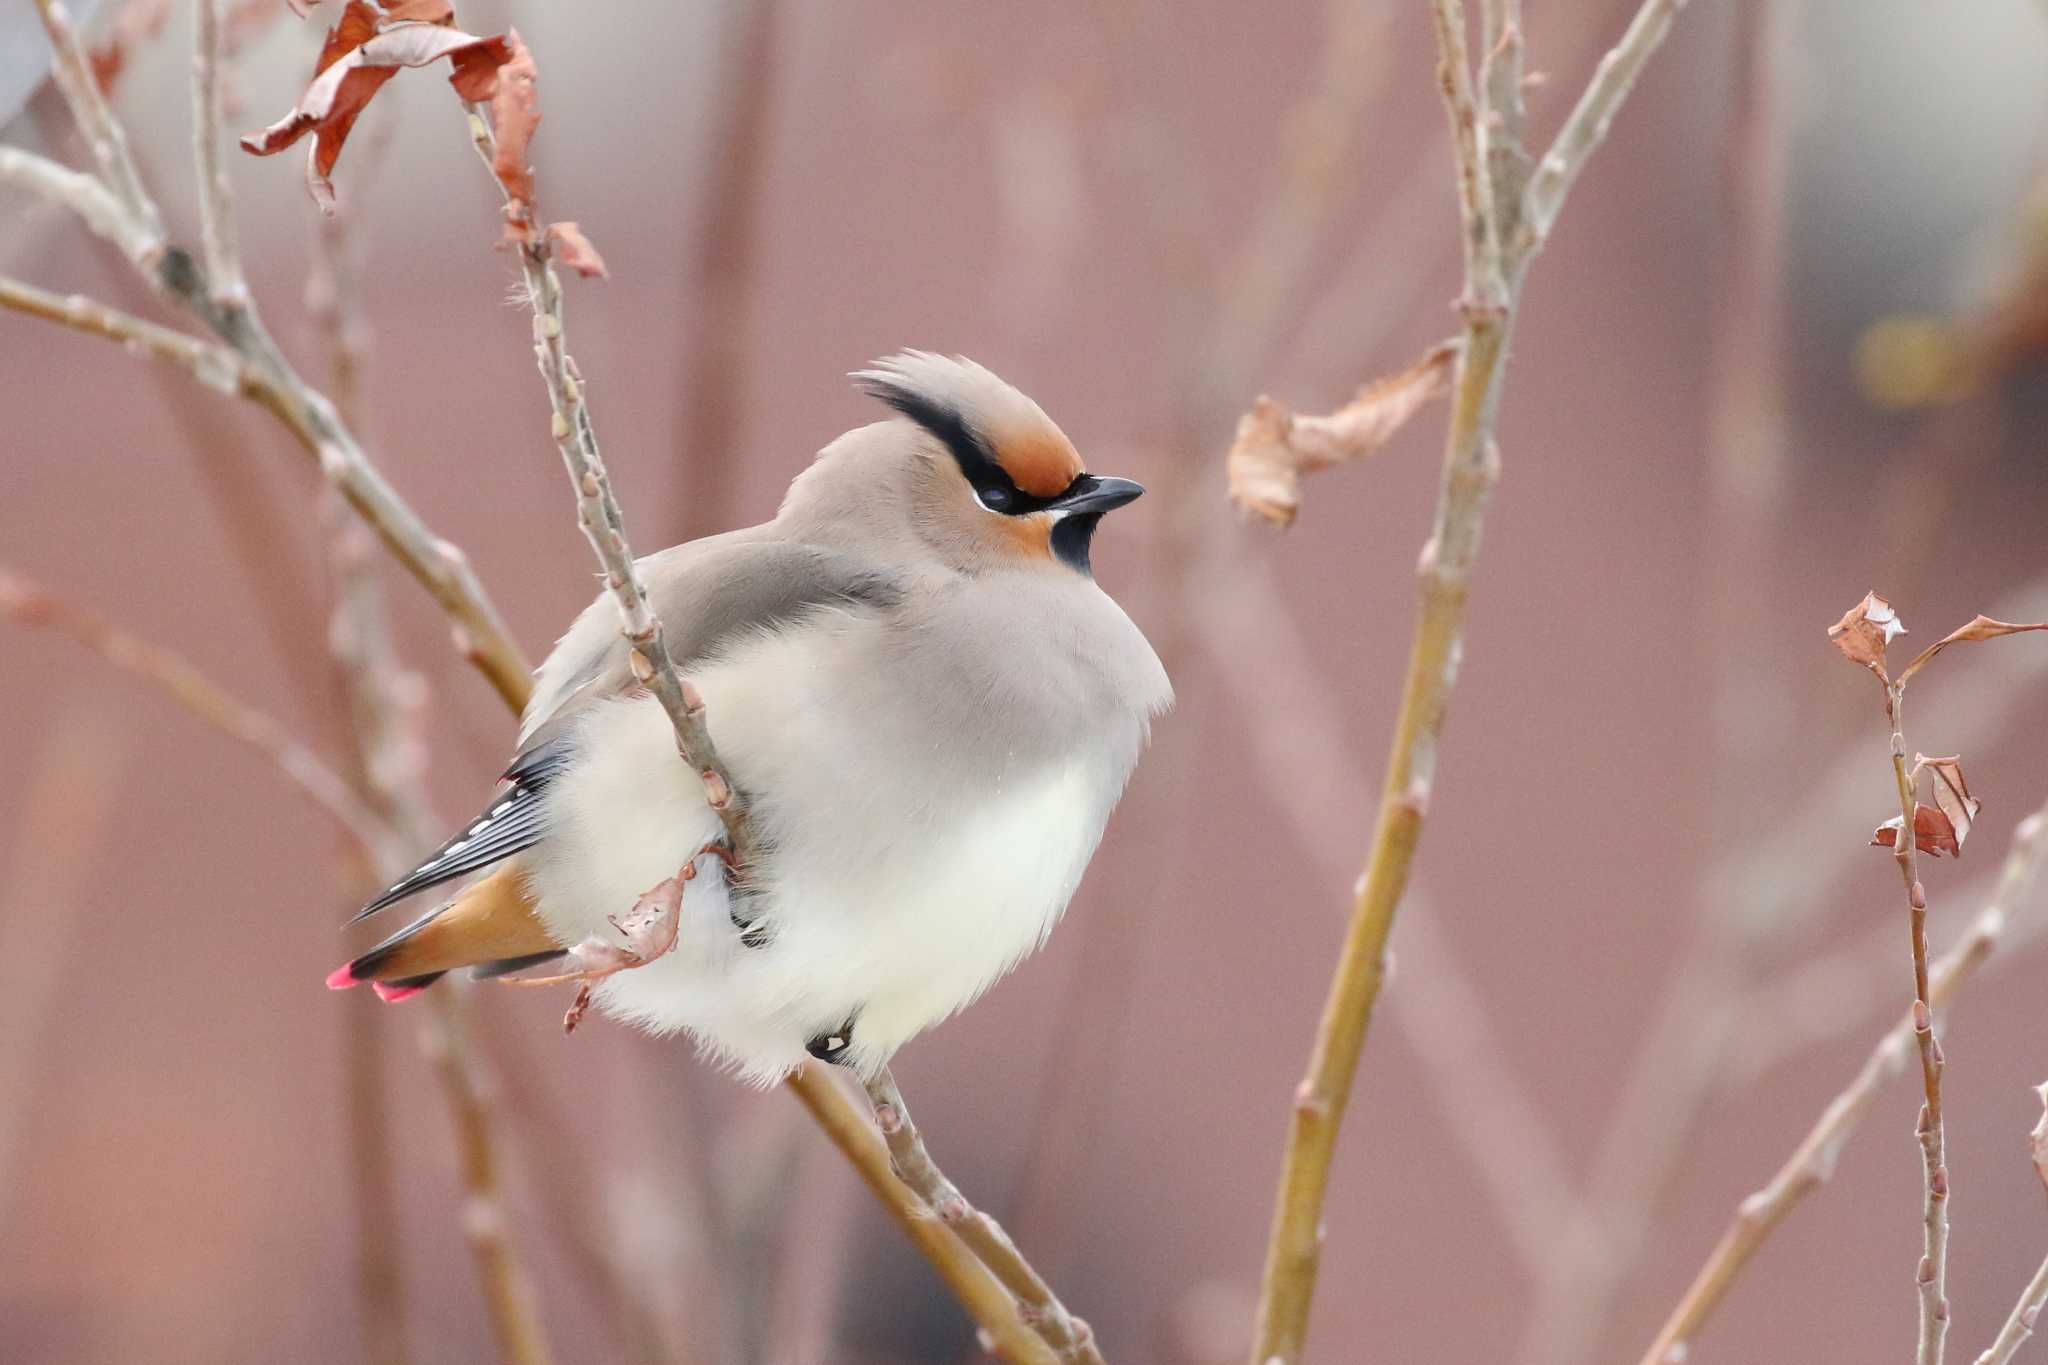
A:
[1508,205]
[1861,635]
[498,83]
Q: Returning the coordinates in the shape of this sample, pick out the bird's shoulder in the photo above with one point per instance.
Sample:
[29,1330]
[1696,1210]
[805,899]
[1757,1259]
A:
[709,594]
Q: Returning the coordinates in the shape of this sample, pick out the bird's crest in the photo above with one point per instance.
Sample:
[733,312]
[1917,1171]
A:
[981,419]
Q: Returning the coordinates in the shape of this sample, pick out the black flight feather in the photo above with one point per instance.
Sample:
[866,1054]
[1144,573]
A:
[512,822]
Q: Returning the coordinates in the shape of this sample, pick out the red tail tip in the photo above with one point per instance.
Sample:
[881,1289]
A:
[339,979]
[391,994]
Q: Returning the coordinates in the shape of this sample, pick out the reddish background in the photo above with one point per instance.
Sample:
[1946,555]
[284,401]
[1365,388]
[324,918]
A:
[173,1165]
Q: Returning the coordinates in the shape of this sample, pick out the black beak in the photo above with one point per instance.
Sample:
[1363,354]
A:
[1097,495]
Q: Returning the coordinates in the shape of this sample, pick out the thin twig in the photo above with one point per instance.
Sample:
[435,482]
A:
[211,364]
[85,196]
[385,701]
[102,131]
[480,633]
[604,524]
[1494,269]
[29,604]
[1068,1336]
[1314,785]
[971,1281]
[216,202]
[1932,1275]
[1813,1160]
[1586,126]
[2019,1325]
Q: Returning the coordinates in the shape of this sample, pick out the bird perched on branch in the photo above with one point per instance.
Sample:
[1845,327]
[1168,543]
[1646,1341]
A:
[927,701]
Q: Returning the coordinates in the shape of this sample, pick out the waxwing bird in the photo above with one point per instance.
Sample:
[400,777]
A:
[930,705]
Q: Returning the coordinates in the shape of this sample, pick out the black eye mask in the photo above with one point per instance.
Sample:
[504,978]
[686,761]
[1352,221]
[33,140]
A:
[1084,500]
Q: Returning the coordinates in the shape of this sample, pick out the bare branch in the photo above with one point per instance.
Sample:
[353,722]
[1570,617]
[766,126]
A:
[985,1299]
[1475,183]
[216,201]
[211,364]
[1493,278]
[1813,1160]
[599,514]
[2019,1325]
[28,603]
[1932,1275]
[73,70]
[386,704]
[1068,1336]
[604,527]
[129,218]
[1586,127]
[85,196]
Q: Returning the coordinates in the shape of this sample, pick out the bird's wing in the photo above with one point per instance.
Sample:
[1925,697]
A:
[708,594]
[510,823]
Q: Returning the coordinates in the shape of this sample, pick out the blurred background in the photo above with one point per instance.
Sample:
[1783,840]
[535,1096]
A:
[1787,344]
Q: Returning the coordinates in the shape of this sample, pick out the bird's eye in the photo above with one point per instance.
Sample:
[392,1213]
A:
[995,499]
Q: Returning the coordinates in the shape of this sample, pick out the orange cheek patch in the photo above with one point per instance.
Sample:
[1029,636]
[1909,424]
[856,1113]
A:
[1027,536]
[1041,463]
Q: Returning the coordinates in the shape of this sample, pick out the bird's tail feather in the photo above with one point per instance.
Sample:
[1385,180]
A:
[490,924]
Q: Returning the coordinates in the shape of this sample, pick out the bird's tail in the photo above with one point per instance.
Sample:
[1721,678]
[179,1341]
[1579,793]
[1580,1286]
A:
[491,925]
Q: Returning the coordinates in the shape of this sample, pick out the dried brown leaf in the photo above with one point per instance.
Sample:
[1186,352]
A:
[1932,832]
[574,250]
[1980,628]
[1951,794]
[515,115]
[363,51]
[1274,448]
[1865,629]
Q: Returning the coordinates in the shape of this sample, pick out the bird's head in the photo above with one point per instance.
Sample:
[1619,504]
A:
[994,480]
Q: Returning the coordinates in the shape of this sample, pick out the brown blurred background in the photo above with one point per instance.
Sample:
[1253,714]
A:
[1779,351]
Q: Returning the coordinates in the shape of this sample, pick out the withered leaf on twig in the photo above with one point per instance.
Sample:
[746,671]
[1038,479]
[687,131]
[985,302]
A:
[515,115]
[1932,832]
[1980,628]
[1864,630]
[1274,448]
[363,51]
[1951,795]
[574,250]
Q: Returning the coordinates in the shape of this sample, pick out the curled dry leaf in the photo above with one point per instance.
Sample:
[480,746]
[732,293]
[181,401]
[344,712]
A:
[1865,630]
[515,115]
[1274,448]
[1951,795]
[363,51]
[1932,832]
[1980,628]
[574,250]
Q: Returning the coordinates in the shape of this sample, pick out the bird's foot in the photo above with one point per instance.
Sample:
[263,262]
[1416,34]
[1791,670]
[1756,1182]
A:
[650,930]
